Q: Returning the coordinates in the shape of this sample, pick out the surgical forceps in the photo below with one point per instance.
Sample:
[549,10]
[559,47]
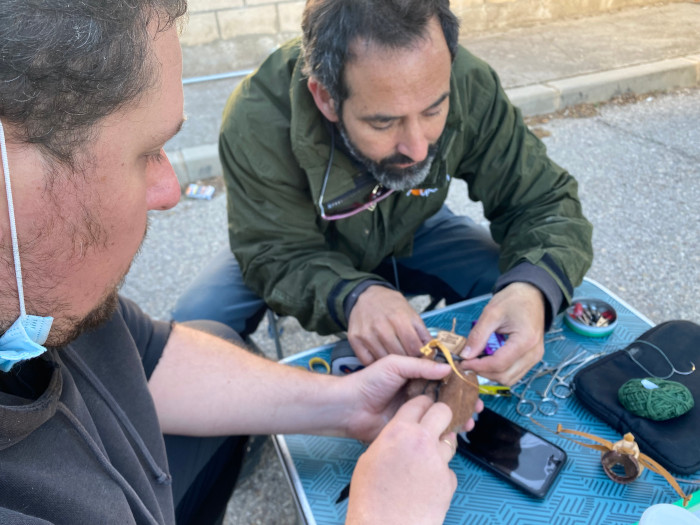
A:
[561,388]
[527,407]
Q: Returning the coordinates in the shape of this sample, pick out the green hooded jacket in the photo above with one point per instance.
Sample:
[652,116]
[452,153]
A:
[275,147]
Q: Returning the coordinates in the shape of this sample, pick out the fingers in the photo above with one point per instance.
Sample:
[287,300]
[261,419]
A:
[412,338]
[512,361]
[469,425]
[412,368]
[479,335]
[518,311]
[414,409]
[422,331]
[448,446]
[394,336]
[383,322]
[434,418]
[367,350]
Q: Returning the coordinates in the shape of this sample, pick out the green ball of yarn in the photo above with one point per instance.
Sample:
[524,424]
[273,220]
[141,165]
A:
[655,399]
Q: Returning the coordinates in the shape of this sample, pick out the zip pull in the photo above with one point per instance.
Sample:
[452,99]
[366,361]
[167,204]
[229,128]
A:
[373,195]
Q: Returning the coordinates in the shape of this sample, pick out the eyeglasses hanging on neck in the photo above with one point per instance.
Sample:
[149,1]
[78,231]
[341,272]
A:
[354,201]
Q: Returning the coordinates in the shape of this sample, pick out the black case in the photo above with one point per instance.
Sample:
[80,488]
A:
[674,443]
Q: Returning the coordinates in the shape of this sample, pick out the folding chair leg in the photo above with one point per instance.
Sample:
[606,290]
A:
[275,332]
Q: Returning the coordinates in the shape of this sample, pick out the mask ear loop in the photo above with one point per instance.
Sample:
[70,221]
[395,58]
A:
[13,227]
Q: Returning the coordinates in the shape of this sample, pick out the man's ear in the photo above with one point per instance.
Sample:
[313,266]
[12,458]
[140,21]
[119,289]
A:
[322,98]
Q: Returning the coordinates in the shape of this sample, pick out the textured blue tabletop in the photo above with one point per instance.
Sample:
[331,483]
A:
[320,467]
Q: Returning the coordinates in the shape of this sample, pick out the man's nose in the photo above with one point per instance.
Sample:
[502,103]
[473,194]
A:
[163,190]
[413,141]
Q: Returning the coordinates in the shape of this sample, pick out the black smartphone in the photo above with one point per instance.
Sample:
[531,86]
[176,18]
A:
[512,452]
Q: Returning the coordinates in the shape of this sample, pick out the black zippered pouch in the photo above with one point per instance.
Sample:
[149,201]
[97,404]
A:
[674,443]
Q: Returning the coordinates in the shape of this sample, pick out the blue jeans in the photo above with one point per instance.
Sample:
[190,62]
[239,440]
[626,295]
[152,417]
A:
[453,258]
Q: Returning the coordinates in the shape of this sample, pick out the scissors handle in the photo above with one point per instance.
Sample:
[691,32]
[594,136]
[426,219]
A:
[525,407]
[548,406]
[561,390]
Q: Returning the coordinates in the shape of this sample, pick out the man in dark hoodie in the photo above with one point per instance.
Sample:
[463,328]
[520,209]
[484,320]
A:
[90,92]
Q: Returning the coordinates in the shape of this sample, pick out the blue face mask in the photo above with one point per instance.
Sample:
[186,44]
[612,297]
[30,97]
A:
[24,339]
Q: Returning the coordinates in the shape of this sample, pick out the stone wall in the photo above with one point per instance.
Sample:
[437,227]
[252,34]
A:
[231,35]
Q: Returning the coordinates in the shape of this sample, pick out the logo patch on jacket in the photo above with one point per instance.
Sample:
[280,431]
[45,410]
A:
[421,192]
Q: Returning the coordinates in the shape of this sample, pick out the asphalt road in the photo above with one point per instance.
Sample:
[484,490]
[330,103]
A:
[638,166]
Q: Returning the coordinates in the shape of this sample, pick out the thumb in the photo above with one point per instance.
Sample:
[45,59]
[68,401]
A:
[413,367]
[478,337]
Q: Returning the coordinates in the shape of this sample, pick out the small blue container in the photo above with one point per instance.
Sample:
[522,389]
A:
[591,317]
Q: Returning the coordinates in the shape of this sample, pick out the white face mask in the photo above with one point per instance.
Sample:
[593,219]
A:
[24,339]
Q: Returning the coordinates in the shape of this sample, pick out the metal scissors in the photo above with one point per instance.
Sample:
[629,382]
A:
[562,388]
[549,406]
[527,407]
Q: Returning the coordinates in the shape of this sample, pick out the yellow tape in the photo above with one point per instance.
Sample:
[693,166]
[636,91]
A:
[314,362]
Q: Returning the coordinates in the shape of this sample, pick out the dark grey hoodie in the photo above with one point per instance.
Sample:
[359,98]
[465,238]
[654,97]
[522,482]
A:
[79,437]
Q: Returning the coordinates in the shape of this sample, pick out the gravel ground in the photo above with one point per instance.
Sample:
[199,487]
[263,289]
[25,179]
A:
[637,165]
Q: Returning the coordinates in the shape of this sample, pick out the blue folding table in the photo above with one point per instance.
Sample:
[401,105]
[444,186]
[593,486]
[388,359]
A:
[318,468]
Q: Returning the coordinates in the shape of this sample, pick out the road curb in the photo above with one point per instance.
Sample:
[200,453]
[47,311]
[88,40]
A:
[663,75]
[202,162]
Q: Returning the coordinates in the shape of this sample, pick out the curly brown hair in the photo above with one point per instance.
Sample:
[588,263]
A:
[64,65]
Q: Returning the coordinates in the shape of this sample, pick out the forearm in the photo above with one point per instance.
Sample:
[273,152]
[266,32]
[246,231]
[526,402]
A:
[205,386]
[307,284]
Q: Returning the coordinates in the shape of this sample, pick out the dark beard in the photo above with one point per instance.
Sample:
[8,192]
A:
[102,313]
[399,179]
[96,317]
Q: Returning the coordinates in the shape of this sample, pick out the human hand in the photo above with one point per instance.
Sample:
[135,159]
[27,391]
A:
[517,310]
[382,322]
[404,476]
[377,392]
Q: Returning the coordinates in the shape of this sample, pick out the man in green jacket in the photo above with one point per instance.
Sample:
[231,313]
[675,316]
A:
[338,154]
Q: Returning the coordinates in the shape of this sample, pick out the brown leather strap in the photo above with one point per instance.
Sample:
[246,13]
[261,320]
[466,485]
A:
[606,446]
[434,345]
[655,467]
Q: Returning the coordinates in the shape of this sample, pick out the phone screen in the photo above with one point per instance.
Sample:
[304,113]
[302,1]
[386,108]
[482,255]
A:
[522,457]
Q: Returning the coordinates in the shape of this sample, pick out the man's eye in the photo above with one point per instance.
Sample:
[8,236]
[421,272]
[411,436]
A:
[381,126]
[156,157]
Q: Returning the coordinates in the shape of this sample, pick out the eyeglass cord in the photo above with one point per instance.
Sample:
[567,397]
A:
[673,368]
[328,170]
